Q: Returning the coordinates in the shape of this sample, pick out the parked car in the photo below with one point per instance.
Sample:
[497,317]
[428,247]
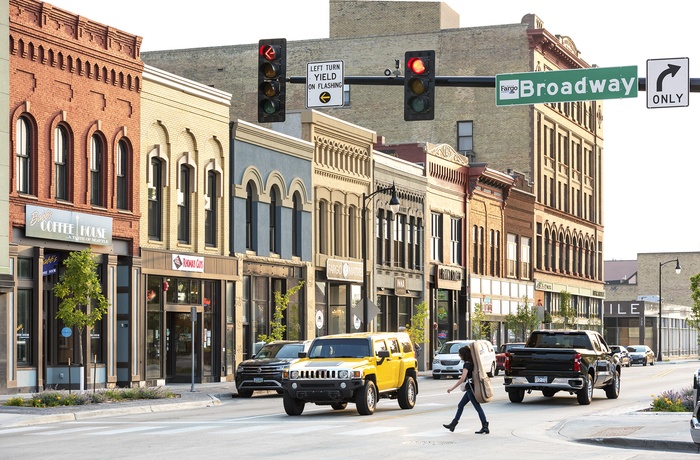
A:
[622,354]
[447,362]
[264,370]
[501,355]
[641,354]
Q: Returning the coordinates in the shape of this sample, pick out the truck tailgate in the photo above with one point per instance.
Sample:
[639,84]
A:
[540,361]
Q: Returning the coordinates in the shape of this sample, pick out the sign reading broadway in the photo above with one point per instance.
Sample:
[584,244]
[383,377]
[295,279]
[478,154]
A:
[566,85]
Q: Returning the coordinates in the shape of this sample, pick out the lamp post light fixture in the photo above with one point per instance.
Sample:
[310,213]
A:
[394,207]
[678,271]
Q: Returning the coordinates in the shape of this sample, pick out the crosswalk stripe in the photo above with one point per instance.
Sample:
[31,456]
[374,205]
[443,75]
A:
[62,432]
[307,429]
[370,431]
[185,429]
[133,429]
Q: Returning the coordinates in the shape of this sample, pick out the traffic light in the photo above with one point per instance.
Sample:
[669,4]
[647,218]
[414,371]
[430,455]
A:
[272,69]
[419,86]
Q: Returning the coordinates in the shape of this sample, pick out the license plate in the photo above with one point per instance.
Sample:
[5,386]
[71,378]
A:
[539,379]
[449,368]
[257,380]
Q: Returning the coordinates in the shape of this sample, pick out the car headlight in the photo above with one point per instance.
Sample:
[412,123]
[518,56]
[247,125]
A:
[294,374]
[436,361]
[343,374]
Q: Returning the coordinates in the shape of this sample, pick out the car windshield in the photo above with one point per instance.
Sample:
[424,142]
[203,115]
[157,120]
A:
[340,348]
[635,349]
[510,346]
[451,348]
[280,350]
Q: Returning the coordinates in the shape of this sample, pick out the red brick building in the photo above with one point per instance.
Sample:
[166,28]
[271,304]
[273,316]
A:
[73,183]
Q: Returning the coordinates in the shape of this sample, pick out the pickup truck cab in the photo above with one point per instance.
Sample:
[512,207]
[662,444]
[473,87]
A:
[562,360]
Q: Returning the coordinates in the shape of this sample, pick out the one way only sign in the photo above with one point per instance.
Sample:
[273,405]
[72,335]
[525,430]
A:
[668,83]
[324,84]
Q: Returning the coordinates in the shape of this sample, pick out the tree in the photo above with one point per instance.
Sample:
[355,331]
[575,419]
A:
[566,311]
[416,330]
[82,302]
[524,320]
[694,320]
[479,325]
[277,327]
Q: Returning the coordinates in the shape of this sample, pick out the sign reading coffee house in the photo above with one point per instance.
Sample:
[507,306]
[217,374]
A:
[76,227]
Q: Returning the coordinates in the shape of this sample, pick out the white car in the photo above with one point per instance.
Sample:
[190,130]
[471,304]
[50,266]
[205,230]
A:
[447,362]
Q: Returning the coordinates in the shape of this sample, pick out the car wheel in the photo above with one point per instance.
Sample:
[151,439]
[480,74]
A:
[585,394]
[516,396]
[492,371]
[366,398]
[245,393]
[339,406]
[612,391]
[407,393]
[292,406]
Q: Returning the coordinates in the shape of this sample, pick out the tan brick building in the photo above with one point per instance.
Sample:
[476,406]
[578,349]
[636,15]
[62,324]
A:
[74,183]
[558,147]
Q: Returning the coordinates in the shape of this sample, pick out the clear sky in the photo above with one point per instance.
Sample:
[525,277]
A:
[651,165]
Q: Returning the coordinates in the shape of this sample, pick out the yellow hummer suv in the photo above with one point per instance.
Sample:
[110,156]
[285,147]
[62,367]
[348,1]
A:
[353,368]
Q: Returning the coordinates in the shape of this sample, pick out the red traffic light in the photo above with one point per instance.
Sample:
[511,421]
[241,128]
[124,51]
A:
[416,66]
[269,52]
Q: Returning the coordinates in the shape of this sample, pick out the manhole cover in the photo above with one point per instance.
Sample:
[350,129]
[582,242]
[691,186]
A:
[616,432]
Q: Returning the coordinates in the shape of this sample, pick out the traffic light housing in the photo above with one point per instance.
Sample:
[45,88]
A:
[419,86]
[272,70]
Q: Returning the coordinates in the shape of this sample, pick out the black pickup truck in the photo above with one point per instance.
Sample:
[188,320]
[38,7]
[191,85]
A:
[562,360]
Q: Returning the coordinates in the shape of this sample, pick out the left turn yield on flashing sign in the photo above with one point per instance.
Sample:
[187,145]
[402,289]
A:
[668,83]
[325,84]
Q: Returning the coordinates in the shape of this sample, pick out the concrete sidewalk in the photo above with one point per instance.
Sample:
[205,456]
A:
[660,431]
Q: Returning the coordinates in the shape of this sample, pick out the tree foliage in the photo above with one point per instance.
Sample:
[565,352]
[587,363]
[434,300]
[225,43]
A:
[524,321]
[480,327]
[82,302]
[567,312]
[694,319]
[277,326]
[416,330]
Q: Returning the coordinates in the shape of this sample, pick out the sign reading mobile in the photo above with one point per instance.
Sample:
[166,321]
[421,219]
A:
[591,84]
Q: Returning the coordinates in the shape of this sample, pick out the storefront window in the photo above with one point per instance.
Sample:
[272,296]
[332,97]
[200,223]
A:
[260,320]
[96,343]
[154,349]
[337,304]
[24,328]
[210,300]
[320,320]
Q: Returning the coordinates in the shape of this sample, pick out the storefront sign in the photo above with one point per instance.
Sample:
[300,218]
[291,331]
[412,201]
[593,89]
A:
[185,263]
[400,285]
[543,286]
[343,270]
[50,264]
[449,277]
[76,227]
[624,308]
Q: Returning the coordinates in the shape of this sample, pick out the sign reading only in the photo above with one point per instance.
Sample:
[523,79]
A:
[566,85]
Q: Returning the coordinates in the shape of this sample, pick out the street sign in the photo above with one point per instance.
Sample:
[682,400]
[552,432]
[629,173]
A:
[324,84]
[592,84]
[668,83]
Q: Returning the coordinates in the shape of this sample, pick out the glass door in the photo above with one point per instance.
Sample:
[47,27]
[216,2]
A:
[180,347]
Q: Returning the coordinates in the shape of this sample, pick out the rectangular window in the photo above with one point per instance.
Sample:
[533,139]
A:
[379,236]
[60,159]
[155,191]
[210,208]
[456,241]
[399,246]
[387,237]
[525,257]
[465,136]
[436,237]
[23,150]
[512,254]
[122,189]
[96,171]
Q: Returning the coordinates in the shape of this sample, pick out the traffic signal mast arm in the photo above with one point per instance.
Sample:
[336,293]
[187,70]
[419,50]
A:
[463,82]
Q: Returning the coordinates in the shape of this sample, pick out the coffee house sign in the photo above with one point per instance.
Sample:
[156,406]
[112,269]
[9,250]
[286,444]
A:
[75,227]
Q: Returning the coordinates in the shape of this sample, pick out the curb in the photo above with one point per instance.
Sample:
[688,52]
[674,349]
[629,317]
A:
[643,444]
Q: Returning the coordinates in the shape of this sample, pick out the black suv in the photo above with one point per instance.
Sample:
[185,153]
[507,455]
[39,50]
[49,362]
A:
[264,370]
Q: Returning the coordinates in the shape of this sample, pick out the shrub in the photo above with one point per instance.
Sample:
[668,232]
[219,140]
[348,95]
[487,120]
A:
[674,401]
[54,398]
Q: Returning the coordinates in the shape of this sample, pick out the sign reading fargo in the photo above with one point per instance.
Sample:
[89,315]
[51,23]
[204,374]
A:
[77,227]
[567,85]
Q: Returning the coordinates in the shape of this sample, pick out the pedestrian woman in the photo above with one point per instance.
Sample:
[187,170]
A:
[467,371]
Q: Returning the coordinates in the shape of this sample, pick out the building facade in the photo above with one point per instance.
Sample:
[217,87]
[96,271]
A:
[270,232]
[558,146]
[186,265]
[74,183]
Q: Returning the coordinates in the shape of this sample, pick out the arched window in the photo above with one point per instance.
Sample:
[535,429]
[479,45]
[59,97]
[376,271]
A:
[274,227]
[122,175]
[155,200]
[61,162]
[249,217]
[210,209]
[296,225]
[23,151]
[96,171]
[183,205]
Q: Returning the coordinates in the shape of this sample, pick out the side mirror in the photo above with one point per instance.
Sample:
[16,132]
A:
[302,354]
[383,353]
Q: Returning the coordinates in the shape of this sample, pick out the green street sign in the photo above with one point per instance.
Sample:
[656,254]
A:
[566,85]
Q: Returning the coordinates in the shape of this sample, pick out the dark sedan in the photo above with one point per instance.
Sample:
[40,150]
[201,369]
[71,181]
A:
[264,370]
[622,354]
[641,354]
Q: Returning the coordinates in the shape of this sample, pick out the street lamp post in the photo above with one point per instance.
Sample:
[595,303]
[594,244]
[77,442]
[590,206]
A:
[394,207]
[678,271]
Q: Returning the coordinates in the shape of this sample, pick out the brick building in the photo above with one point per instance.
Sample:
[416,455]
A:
[74,183]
